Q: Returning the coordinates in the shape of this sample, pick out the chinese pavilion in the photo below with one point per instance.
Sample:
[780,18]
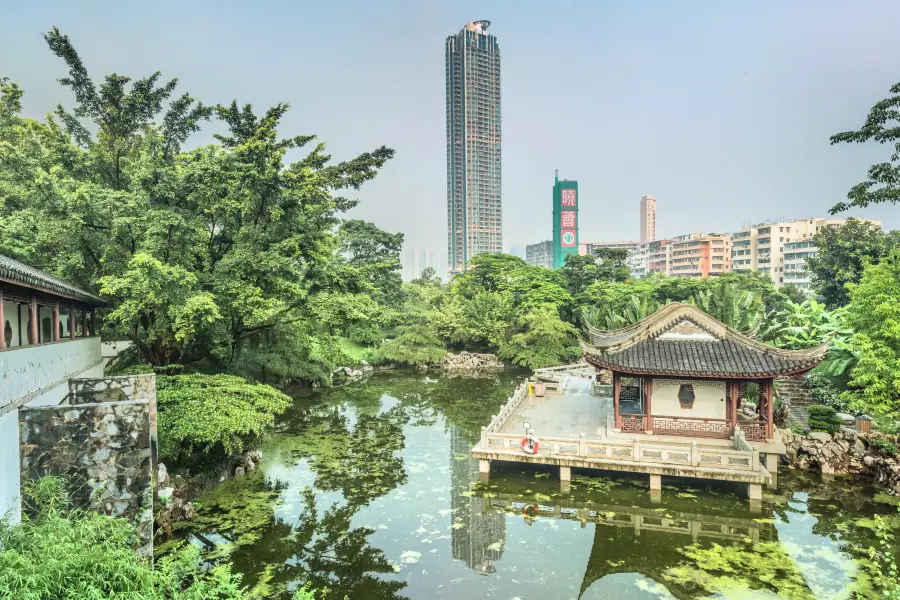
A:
[682,372]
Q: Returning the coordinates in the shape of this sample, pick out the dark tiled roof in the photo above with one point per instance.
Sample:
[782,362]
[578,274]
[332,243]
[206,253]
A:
[28,277]
[719,352]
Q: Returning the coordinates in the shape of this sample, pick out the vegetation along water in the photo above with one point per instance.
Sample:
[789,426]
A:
[369,491]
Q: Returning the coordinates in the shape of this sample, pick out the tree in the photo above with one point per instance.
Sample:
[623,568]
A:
[545,340]
[883,126]
[843,254]
[206,253]
[738,308]
[874,314]
[415,345]
[611,264]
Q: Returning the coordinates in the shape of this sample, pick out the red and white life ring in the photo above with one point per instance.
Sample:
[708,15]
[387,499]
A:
[528,449]
[531,511]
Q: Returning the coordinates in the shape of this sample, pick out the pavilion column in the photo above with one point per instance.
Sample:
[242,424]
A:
[770,410]
[616,386]
[33,325]
[648,394]
[734,390]
[56,323]
[93,321]
[84,323]
[72,322]
[2,323]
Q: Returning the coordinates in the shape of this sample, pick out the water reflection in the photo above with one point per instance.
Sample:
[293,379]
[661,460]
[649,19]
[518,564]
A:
[370,491]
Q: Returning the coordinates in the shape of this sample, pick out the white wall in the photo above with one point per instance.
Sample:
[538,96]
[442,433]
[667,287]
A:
[26,370]
[9,466]
[709,401]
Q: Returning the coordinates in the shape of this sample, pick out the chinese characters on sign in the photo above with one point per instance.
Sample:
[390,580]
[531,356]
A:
[568,238]
[567,219]
[568,197]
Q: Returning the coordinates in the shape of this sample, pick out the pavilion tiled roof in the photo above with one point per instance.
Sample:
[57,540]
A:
[13,271]
[683,341]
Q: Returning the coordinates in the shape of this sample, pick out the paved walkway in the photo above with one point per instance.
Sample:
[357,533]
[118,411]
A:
[568,414]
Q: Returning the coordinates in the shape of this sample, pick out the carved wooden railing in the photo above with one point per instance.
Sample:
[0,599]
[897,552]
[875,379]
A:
[691,426]
[755,430]
[637,450]
[632,423]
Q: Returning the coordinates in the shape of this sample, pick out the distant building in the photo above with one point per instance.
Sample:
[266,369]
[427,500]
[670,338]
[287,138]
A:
[658,257]
[474,215]
[795,255]
[591,247]
[540,254]
[565,220]
[698,255]
[648,219]
[416,260]
[761,247]
[638,261]
[517,250]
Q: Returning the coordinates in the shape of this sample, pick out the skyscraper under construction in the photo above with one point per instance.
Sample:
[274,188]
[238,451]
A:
[474,213]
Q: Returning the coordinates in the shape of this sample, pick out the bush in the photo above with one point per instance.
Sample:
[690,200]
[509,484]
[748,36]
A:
[884,446]
[824,418]
[60,553]
[825,392]
[215,414]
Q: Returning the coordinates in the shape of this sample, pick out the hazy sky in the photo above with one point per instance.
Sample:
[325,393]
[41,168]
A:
[721,110]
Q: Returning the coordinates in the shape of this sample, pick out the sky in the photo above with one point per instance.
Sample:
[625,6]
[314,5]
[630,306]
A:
[720,110]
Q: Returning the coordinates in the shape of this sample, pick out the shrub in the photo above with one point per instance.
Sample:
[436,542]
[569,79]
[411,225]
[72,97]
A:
[824,418]
[415,344]
[215,414]
[825,392]
[60,553]
[884,446]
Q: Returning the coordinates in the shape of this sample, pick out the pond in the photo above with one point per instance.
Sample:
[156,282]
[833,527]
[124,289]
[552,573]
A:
[369,490]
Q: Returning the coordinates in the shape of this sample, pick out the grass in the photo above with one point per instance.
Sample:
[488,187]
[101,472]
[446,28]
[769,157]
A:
[355,351]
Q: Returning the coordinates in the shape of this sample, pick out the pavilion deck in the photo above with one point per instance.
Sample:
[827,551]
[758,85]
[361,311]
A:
[576,430]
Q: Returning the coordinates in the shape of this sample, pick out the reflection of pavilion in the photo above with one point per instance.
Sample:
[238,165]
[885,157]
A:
[480,540]
[633,539]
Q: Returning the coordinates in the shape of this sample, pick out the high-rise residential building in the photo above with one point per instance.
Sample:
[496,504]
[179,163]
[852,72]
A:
[540,254]
[638,261]
[761,247]
[658,256]
[565,220]
[648,219]
[591,247]
[697,255]
[416,260]
[517,250]
[474,215]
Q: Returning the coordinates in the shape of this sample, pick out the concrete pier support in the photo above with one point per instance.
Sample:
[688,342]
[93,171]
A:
[484,470]
[565,473]
[656,483]
[772,463]
[754,491]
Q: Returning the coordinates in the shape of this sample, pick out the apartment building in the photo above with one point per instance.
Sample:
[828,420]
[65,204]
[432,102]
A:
[697,255]
[658,257]
[591,247]
[540,254]
[762,247]
[648,219]
[638,261]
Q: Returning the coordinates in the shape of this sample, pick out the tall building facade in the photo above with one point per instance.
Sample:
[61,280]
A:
[698,255]
[565,220]
[540,254]
[762,247]
[648,219]
[474,212]
[416,260]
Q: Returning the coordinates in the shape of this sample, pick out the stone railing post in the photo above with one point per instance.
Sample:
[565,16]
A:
[636,450]
[582,448]
[695,454]
[484,443]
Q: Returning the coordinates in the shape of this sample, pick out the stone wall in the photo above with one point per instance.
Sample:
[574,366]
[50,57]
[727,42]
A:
[843,453]
[104,447]
[470,361]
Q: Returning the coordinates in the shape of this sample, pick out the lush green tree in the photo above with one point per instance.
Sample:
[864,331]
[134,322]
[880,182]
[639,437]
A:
[611,264]
[545,339]
[201,251]
[738,308]
[415,344]
[883,126]
[844,252]
[215,414]
[874,315]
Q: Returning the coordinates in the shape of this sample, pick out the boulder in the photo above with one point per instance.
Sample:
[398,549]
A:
[239,471]
[166,493]
[819,436]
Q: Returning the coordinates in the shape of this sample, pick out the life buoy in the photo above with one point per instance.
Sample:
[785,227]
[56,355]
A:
[531,511]
[528,448]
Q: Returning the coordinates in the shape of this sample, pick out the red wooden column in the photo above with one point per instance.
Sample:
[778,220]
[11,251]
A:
[83,323]
[616,386]
[33,325]
[734,390]
[56,323]
[2,323]
[93,322]
[770,411]
[72,322]
[648,395]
